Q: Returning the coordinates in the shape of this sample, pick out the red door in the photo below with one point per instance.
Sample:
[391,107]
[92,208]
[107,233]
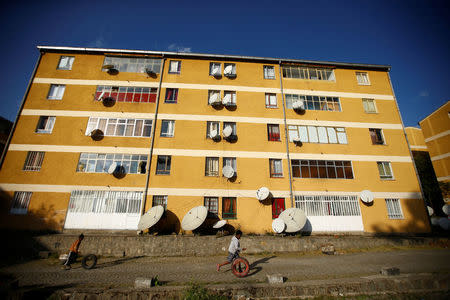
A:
[277,207]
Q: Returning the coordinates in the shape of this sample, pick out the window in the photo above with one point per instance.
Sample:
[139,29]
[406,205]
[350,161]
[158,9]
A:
[120,127]
[273,132]
[213,97]
[394,209]
[159,200]
[229,208]
[329,205]
[276,168]
[100,163]
[301,72]
[277,207]
[212,166]
[317,134]
[377,136]
[56,91]
[127,94]
[45,124]
[362,78]
[269,72]
[108,202]
[175,67]
[232,125]
[385,170]
[212,129]
[133,64]
[34,160]
[229,70]
[271,100]
[20,203]
[369,106]
[171,96]
[65,62]
[215,69]
[314,102]
[230,161]
[212,204]
[229,98]
[163,165]
[322,169]
[167,128]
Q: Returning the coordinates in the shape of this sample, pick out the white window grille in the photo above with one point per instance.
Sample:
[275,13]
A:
[369,105]
[167,128]
[328,205]
[120,127]
[126,94]
[212,204]
[212,126]
[105,202]
[311,73]
[45,124]
[159,200]
[65,63]
[271,100]
[20,203]
[133,64]
[34,160]
[212,166]
[269,72]
[56,91]
[317,134]
[314,102]
[362,78]
[100,163]
[385,170]
[394,209]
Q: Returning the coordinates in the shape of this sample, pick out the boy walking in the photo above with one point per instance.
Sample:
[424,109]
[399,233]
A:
[233,250]
[73,252]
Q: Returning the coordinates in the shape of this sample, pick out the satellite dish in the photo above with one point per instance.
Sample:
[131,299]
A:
[434,221]
[227,131]
[97,135]
[220,224]
[227,99]
[194,218]
[444,223]
[228,69]
[112,168]
[151,217]
[297,141]
[109,67]
[366,196]
[216,71]
[149,71]
[446,209]
[228,172]
[101,96]
[262,193]
[213,134]
[214,99]
[278,225]
[294,218]
[430,210]
[298,105]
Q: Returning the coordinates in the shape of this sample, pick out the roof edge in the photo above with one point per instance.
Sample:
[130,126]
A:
[436,110]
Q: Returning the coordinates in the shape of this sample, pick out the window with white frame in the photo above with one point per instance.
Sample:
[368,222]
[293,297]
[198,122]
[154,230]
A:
[215,69]
[101,162]
[159,200]
[311,73]
[65,62]
[107,202]
[212,166]
[175,67]
[231,162]
[56,91]
[229,70]
[329,205]
[171,96]
[317,134]
[34,160]
[385,170]
[271,100]
[362,78]
[331,169]
[163,164]
[376,136]
[269,72]
[394,209]
[213,96]
[276,167]
[369,106]
[314,102]
[126,94]
[212,129]
[212,204]
[229,97]
[20,203]
[133,64]
[45,124]
[232,125]
[167,128]
[120,127]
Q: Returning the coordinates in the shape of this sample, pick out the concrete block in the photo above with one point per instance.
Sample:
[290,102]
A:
[328,249]
[275,278]
[44,254]
[143,283]
[390,271]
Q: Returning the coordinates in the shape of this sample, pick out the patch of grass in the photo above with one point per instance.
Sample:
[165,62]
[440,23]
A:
[199,292]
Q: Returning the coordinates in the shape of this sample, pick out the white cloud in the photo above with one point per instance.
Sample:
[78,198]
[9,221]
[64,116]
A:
[424,94]
[177,48]
[98,43]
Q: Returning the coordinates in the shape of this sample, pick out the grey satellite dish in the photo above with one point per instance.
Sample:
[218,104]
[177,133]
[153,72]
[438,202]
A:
[227,131]
[216,71]
[446,209]
[294,218]
[228,69]
[112,168]
[430,210]
[366,196]
[213,134]
[151,217]
[220,224]
[228,172]
[444,223]
[226,100]
[262,193]
[194,218]
[298,105]
[278,225]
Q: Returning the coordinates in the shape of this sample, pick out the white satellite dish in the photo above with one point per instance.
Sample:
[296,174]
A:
[220,224]
[294,218]
[227,99]
[213,133]
[444,223]
[299,104]
[366,196]
[262,193]
[214,98]
[430,210]
[216,71]
[446,209]
[151,217]
[112,168]
[227,131]
[228,171]
[228,69]
[278,225]
[194,218]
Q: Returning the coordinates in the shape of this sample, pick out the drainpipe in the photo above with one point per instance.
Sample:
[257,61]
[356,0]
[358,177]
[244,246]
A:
[286,138]
[152,141]
[13,128]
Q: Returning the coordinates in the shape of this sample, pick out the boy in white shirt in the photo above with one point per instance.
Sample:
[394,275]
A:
[233,250]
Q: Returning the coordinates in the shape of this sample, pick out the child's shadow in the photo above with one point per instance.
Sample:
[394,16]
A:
[254,269]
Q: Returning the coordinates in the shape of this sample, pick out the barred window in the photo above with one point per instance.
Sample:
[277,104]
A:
[45,124]
[212,166]
[212,204]
[318,134]
[394,209]
[56,91]
[276,167]
[159,200]
[105,202]
[229,209]
[312,73]
[314,102]
[273,132]
[100,163]
[385,170]
[120,127]
[269,72]
[133,64]
[20,203]
[127,94]
[34,160]
[65,63]
[329,205]
[322,169]
[163,165]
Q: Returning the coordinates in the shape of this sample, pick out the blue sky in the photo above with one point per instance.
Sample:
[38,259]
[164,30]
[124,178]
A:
[411,36]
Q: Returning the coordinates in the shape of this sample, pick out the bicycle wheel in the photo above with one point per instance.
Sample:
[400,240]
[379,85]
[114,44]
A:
[89,261]
[240,267]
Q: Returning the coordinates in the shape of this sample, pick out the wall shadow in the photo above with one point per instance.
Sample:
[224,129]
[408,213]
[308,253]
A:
[254,266]
[116,262]
[168,224]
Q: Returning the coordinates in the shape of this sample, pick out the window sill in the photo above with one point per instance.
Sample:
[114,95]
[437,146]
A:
[274,140]
[170,102]
[364,84]
[387,179]
[166,136]
[272,107]
[174,73]
[44,132]
[162,174]
[270,78]
[229,218]
[277,177]
[371,112]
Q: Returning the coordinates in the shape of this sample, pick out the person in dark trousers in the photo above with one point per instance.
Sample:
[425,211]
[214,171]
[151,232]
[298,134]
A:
[233,250]
[73,252]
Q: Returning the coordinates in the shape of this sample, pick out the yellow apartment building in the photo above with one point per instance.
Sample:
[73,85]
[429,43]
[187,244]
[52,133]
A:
[416,139]
[102,135]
